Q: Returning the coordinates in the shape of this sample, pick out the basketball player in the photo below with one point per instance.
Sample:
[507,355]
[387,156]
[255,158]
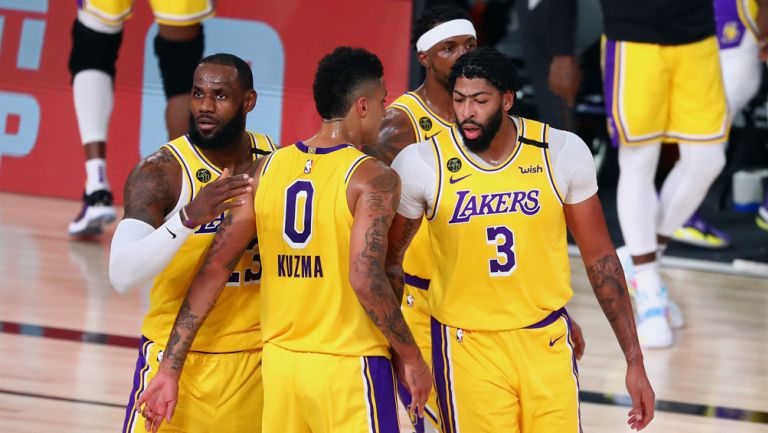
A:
[441,35]
[330,318]
[175,200]
[742,71]
[499,193]
[96,36]
[662,83]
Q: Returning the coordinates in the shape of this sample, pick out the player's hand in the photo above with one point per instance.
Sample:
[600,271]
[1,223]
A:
[217,196]
[416,376]
[564,78]
[158,401]
[578,339]
[643,398]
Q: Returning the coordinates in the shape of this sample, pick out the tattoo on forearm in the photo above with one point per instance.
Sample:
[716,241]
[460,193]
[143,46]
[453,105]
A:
[607,279]
[396,254]
[379,300]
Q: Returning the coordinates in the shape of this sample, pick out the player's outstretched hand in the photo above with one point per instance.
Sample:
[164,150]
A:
[416,376]
[218,196]
[158,401]
[643,398]
[578,340]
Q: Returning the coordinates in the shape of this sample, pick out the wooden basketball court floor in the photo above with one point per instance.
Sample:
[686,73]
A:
[68,341]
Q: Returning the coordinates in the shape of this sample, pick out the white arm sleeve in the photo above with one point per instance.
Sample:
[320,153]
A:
[574,166]
[416,168]
[139,252]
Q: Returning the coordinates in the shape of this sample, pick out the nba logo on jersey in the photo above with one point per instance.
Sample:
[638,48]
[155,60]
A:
[212,226]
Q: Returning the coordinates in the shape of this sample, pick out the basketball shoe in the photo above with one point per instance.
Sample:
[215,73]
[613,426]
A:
[96,213]
[699,233]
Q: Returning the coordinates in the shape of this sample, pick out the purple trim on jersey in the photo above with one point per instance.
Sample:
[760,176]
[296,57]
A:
[442,372]
[405,397]
[608,85]
[79,4]
[321,150]
[417,282]
[727,16]
[382,393]
[138,385]
[550,319]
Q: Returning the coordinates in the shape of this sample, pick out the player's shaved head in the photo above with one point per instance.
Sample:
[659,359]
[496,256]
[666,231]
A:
[244,73]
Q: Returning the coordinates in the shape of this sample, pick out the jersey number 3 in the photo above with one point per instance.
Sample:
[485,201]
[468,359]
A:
[504,239]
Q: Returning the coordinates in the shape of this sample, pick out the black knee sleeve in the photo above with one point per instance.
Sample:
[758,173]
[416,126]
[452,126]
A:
[93,50]
[178,60]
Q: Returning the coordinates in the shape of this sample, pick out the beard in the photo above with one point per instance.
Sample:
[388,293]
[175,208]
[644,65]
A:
[222,138]
[487,133]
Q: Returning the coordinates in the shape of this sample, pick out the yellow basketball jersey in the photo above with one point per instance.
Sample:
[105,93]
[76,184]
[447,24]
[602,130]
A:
[304,225]
[233,324]
[426,124]
[498,236]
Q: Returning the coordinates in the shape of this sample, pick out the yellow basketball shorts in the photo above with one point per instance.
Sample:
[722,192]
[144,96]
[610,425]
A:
[518,381]
[168,12]
[416,313]
[657,93]
[320,393]
[217,392]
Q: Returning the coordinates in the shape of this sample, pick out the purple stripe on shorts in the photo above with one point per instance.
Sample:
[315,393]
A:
[405,397]
[574,363]
[138,385]
[440,372]
[413,280]
[384,392]
[609,77]
[550,319]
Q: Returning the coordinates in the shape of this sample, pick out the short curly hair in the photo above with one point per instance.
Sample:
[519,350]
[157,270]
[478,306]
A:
[338,76]
[434,16]
[489,64]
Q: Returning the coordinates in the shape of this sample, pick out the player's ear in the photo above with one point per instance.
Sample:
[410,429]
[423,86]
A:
[422,56]
[508,100]
[250,100]
[361,105]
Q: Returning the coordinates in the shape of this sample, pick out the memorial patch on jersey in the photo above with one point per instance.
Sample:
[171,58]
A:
[453,165]
[203,175]
[425,123]
[471,205]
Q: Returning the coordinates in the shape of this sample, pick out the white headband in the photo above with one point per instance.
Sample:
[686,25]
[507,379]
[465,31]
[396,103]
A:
[444,31]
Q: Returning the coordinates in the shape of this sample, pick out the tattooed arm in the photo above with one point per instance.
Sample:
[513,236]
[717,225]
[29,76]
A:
[587,225]
[401,234]
[232,238]
[373,195]
[148,237]
[396,132]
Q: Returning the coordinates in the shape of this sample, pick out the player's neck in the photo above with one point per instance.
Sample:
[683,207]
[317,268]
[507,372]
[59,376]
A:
[437,98]
[236,155]
[503,144]
[334,132]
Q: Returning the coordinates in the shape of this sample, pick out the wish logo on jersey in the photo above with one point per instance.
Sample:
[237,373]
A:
[471,205]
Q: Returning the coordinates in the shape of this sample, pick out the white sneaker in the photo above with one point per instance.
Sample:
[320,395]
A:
[96,213]
[656,331]
[653,328]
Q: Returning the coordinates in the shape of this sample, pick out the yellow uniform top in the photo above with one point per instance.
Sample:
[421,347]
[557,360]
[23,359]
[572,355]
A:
[233,324]
[304,226]
[417,263]
[498,236]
